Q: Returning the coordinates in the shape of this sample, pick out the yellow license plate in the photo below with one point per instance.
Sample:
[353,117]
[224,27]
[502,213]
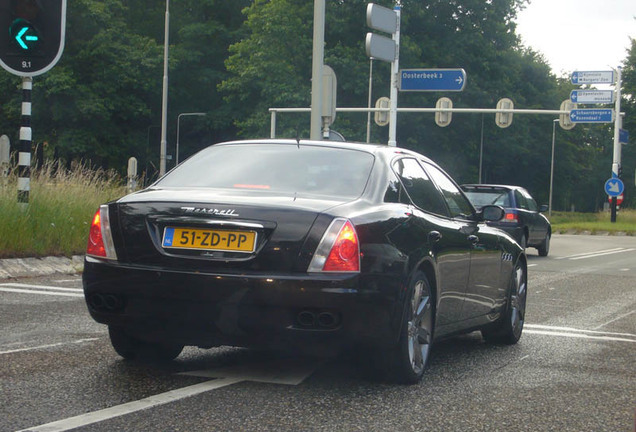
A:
[208,239]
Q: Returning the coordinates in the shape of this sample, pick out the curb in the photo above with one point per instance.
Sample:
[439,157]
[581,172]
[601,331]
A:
[32,267]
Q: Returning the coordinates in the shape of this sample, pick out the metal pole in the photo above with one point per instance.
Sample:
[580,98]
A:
[24,157]
[554,122]
[370,99]
[316,69]
[178,121]
[164,95]
[616,160]
[395,70]
[481,147]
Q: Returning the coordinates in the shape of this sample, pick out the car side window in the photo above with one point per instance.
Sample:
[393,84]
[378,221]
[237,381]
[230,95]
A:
[532,204]
[419,186]
[457,203]
[522,203]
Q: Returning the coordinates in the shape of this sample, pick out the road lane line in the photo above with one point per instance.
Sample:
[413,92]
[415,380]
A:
[598,254]
[579,335]
[43,287]
[29,291]
[615,319]
[587,253]
[572,329]
[39,347]
[131,407]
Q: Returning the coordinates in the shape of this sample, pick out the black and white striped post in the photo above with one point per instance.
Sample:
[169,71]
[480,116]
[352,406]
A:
[24,155]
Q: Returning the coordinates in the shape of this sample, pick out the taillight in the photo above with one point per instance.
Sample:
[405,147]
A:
[339,249]
[510,217]
[100,240]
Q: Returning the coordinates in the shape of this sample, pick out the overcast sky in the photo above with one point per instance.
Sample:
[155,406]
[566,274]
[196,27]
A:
[579,34]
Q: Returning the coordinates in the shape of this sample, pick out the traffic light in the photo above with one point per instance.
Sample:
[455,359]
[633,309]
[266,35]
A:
[31,35]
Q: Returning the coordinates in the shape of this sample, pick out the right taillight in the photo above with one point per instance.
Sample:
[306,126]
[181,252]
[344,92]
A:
[100,240]
[339,249]
[510,217]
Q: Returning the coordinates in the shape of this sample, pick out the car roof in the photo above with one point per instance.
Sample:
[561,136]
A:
[369,148]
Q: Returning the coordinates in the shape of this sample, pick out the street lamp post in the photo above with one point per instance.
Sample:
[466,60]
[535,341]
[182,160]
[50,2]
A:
[179,121]
[554,122]
[164,94]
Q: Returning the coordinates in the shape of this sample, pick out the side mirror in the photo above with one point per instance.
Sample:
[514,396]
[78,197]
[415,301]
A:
[492,213]
[543,208]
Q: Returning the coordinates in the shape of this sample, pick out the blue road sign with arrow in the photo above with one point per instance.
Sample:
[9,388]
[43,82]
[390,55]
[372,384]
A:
[614,187]
[601,115]
[432,79]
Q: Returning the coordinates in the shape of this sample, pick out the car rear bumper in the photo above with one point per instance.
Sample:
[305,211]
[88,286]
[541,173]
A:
[207,310]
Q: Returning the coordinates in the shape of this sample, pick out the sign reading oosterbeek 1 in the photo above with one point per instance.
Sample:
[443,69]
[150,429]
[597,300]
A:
[31,35]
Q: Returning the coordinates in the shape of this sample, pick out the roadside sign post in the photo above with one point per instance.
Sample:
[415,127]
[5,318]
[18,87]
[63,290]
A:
[616,159]
[602,115]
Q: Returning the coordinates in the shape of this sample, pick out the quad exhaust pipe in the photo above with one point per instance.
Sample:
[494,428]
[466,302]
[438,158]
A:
[318,319]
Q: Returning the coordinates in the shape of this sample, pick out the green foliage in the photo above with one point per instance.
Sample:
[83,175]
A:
[235,60]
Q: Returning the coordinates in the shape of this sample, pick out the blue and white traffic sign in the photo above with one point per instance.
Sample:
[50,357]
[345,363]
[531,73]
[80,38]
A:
[432,79]
[592,96]
[603,115]
[592,77]
[614,187]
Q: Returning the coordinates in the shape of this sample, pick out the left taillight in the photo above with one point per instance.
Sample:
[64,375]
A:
[339,249]
[100,239]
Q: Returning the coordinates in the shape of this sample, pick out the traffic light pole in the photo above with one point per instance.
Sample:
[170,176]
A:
[24,156]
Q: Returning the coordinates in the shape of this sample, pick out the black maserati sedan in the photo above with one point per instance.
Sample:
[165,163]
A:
[308,246]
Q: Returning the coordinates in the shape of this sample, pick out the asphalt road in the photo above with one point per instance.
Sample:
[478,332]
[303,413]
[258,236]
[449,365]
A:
[573,369]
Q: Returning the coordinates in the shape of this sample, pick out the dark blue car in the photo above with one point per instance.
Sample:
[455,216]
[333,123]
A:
[523,219]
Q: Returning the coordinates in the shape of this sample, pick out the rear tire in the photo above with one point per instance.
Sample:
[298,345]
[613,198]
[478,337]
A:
[410,357]
[131,348]
[509,329]
[544,248]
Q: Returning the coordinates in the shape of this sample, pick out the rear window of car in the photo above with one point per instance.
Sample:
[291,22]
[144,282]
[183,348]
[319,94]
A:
[276,168]
[482,197]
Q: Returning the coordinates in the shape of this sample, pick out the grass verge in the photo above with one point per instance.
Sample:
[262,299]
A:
[594,223]
[61,205]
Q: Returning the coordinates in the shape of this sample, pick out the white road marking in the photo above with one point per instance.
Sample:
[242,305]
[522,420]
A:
[291,372]
[587,253]
[131,407]
[40,347]
[597,254]
[602,254]
[41,289]
[620,317]
[578,333]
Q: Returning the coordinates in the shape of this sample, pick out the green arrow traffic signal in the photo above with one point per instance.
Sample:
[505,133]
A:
[24,34]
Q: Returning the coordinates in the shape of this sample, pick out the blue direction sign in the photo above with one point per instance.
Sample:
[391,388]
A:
[623,136]
[614,187]
[432,79]
[602,115]
[592,96]
[592,77]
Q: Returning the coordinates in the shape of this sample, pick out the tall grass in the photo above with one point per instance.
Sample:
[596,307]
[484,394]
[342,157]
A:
[61,205]
[594,223]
